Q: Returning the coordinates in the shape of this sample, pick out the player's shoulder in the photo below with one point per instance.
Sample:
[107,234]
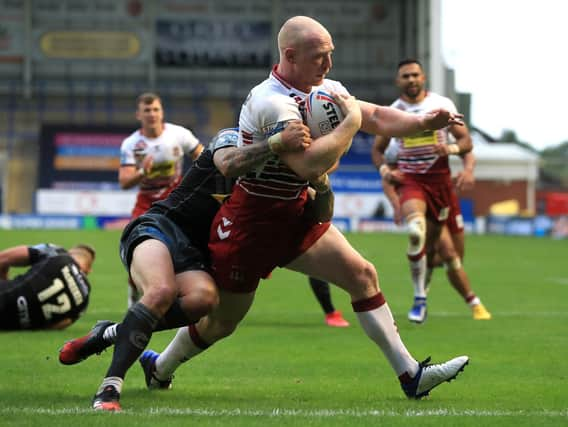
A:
[48,247]
[439,100]
[181,135]
[45,250]
[268,92]
[131,139]
[172,127]
[399,104]
[268,102]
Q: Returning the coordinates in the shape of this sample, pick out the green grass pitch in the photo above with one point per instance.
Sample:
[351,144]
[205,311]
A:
[284,367]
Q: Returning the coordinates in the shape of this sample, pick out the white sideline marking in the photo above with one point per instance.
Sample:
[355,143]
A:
[291,413]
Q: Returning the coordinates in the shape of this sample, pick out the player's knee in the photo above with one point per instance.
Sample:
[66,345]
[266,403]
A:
[416,233]
[201,300]
[366,279]
[454,264]
[160,296]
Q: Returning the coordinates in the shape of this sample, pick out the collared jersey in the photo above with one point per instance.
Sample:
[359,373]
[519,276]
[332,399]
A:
[416,153]
[267,109]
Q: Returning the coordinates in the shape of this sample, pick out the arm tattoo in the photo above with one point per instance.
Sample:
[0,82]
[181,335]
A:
[242,160]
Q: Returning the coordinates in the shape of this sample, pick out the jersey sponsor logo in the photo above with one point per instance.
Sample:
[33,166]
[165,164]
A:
[420,140]
[23,312]
[164,169]
[270,129]
[223,234]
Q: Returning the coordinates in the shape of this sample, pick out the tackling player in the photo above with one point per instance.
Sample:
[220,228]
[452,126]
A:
[165,251]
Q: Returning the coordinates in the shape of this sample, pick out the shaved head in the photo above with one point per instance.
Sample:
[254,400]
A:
[300,30]
[305,48]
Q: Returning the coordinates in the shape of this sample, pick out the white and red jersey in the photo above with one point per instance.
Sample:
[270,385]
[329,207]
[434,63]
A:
[167,150]
[267,109]
[416,153]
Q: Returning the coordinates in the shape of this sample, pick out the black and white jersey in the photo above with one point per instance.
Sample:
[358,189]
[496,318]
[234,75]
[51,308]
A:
[51,290]
[192,205]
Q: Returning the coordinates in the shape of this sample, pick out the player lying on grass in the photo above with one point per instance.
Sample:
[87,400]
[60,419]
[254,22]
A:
[52,293]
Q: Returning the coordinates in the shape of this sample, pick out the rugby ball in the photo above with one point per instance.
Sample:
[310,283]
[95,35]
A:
[322,113]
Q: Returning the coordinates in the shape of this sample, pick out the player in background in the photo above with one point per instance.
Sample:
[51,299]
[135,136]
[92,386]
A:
[425,195]
[52,293]
[261,226]
[152,158]
[452,235]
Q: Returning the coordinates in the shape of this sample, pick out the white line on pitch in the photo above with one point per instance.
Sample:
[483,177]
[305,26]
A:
[300,413]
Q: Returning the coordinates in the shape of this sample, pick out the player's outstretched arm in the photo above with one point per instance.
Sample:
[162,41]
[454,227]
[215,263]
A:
[325,151]
[236,161]
[18,256]
[388,121]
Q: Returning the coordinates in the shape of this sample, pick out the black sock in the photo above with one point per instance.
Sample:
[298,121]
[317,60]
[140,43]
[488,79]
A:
[321,291]
[133,336]
[174,318]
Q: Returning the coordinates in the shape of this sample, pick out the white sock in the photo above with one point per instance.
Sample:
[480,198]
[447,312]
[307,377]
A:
[179,350]
[418,270]
[474,301]
[109,335]
[116,382]
[379,325]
